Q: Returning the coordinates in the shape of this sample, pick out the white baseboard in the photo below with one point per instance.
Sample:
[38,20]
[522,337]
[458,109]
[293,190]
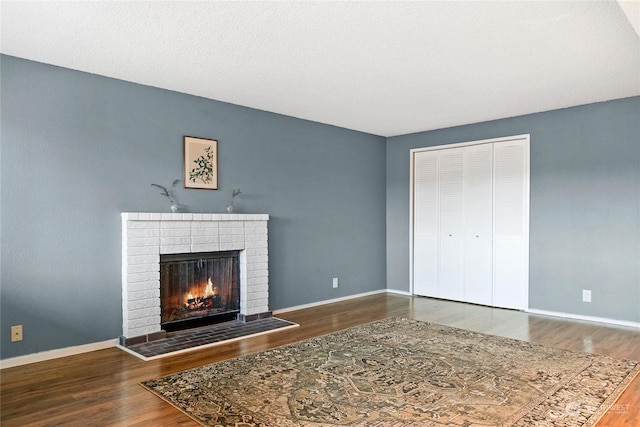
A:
[395,291]
[328,301]
[587,318]
[70,351]
[55,354]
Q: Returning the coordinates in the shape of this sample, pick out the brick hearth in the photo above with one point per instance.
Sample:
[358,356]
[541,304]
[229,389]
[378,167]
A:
[147,235]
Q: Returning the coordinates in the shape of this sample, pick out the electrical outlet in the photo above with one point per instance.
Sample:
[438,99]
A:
[335,282]
[16,333]
[586,295]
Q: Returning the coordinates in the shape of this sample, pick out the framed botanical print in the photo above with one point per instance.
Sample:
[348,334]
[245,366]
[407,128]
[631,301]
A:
[200,163]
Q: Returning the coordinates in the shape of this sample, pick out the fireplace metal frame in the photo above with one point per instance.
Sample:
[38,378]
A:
[211,318]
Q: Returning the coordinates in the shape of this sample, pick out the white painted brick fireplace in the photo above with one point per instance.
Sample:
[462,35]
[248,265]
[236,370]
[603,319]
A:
[145,236]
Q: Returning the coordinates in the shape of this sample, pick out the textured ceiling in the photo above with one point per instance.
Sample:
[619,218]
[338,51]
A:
[386,68]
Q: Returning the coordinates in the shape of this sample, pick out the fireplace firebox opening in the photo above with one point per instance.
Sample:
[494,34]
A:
[198,289]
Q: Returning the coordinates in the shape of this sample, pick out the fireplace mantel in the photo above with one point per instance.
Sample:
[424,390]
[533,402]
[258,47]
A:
[146,235]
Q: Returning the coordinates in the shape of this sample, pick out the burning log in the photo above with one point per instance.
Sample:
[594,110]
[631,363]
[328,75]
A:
[199,303]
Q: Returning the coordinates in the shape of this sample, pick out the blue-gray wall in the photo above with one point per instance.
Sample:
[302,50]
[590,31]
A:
[585,205]
[78,149]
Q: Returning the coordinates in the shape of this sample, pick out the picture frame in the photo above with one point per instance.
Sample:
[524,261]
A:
[200,163]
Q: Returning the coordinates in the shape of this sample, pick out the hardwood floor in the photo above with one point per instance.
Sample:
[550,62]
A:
[101,388]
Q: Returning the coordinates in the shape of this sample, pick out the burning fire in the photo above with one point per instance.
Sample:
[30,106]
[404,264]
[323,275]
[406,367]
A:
[202,301]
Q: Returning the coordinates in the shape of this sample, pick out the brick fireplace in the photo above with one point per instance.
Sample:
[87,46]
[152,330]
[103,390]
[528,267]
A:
[145,236]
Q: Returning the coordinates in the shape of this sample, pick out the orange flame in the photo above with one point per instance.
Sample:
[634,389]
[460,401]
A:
[209,290]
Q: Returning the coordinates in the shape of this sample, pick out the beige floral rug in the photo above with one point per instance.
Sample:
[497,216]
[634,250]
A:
[401,372]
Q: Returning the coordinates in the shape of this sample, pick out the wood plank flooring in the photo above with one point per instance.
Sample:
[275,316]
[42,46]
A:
[101,388]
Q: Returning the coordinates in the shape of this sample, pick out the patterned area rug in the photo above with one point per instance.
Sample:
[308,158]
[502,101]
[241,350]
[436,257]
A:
[401,372]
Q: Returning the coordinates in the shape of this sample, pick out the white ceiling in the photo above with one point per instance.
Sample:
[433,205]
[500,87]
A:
[387,68]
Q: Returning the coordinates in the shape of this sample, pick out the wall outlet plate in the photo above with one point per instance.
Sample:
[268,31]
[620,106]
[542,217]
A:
[586,295]
[335,282]
[16,333]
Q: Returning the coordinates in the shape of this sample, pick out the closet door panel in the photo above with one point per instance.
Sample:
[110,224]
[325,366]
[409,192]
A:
[452,224]
[511,223]
[478,182]
[425,224]
[508,289]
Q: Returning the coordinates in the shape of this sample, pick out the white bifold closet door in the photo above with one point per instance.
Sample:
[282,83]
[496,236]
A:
[452,224]
[478,183]
[511,219]
[426,223]
[470,223]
